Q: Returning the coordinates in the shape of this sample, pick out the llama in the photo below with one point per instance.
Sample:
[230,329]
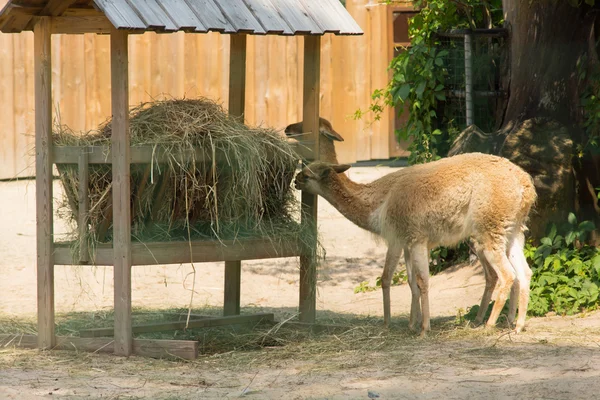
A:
[326,147]
[484,197]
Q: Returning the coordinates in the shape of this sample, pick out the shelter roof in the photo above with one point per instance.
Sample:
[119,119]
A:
[279,17]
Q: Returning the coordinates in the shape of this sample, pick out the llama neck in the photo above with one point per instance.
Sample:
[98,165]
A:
[354,201]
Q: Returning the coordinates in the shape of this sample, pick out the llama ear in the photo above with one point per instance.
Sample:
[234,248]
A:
[331,135]
[326,129]
[341,168]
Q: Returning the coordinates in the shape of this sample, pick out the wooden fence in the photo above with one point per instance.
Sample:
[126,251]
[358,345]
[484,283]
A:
[197,65]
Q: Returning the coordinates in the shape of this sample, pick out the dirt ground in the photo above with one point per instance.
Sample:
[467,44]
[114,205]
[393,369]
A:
[556,358]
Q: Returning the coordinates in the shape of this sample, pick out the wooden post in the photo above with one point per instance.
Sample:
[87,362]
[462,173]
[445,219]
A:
[43,183]
[308,267]
[121,192]
[83,206]
[237,94]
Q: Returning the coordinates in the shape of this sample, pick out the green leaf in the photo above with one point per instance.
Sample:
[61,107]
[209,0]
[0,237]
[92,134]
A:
[587,226]
[570,237]
[572,219]
[552,232]
[404,92]
[420,89]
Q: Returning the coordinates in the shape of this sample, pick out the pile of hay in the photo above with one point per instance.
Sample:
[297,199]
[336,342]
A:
[243,189]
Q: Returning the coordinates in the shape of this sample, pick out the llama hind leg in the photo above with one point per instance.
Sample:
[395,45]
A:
[491,279]
[500,264]
[519,294]
[392,258]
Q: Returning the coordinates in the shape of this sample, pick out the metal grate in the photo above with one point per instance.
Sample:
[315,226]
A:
[473,66]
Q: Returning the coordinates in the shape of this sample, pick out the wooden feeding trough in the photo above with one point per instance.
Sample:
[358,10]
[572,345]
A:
[120,18]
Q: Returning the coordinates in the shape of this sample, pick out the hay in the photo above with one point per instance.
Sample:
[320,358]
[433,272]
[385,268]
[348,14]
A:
[243,189]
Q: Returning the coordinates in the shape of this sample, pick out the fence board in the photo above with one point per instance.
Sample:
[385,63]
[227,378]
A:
[194,65]
[7,114]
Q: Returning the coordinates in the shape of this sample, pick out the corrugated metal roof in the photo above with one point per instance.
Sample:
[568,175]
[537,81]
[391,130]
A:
[282,17]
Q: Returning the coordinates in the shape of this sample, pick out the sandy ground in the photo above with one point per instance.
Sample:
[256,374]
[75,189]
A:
[555,358]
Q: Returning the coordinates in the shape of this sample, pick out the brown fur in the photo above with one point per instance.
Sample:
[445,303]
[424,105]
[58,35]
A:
[328,136]
[484,197]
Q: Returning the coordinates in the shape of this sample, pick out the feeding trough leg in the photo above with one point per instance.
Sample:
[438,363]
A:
[308,267]
[121,190]
[43,183]
[237,94]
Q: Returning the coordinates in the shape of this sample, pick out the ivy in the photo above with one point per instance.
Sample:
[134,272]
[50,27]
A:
[419,73]
[566,271]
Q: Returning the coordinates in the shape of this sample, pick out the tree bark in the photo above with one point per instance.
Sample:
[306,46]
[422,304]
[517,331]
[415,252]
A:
[550,43]
[547,40]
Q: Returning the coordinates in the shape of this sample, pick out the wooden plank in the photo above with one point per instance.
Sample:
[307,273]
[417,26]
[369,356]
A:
[237,97]
[268,16]
[83,207]
[8,166]
[103,155]
[183,16]
[139,155]
[183,349]
[16,20]
[240,16]
[121,192]
[43,183]
[237,75]
[232,292]
[79,25]
[179,252]
[153,14]
[56,7]
[120,14]
[380,76]
[311,92]
[72,81]
[210,15]
[209,322]
[297,17]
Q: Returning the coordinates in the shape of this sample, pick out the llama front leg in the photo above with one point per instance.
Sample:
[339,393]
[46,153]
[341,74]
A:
[415,305]
[392,258]
[419,256]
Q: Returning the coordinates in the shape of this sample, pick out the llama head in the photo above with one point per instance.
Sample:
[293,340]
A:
[318,175]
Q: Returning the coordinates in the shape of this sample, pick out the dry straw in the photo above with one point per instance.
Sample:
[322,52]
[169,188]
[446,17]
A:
[218,178]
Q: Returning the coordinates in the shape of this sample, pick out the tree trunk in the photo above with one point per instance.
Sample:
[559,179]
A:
[540,127]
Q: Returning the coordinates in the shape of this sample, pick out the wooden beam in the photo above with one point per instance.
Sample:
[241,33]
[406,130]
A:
[237,74]
[121,192]
[81,24]
[179,252]
[55,8]
[180,325]
[183,349]
[43,183]
[232,293]
[83,207]
[237,103]
[311,92]
[139,154]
